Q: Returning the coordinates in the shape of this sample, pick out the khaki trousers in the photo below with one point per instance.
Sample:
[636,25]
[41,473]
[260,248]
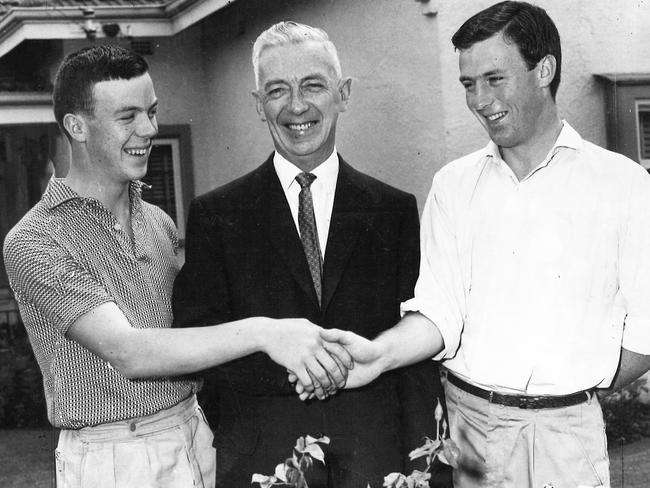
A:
[169,449]
[510,447]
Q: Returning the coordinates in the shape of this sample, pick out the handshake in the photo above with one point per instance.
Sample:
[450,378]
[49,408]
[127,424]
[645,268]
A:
[321,361]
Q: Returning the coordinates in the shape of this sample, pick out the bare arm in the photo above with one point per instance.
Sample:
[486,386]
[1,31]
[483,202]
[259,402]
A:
[139,353]
[631,367]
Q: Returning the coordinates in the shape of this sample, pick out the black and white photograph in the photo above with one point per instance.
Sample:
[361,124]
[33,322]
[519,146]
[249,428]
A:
[324,243]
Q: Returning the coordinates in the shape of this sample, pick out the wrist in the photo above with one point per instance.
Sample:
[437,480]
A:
[263,332]
[387,356]
[389,351]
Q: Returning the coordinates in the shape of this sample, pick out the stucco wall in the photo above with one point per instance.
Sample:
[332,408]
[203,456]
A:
[598,36]
[407,115]
[176,69]
[392,129]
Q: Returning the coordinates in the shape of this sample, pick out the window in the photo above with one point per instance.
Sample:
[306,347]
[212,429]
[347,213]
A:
[164,178]
[643,121]
[170,174]
[627,114]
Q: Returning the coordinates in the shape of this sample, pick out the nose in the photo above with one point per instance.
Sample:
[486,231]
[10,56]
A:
[297,104]
[147,126]
[482,96]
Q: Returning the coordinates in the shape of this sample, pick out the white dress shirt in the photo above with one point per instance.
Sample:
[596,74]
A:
[536,284]
[322,191]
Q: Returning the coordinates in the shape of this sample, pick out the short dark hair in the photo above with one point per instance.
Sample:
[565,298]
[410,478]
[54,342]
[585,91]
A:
[528,26]
[82,69]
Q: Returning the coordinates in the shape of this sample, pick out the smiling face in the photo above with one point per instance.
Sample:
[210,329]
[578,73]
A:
[506,97]
[300,98]
[121,127]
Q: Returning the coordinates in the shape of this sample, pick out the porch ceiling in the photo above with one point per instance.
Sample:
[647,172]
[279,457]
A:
[74,19]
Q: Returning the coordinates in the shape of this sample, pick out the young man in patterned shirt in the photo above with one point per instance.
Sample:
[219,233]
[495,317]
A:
[92,267]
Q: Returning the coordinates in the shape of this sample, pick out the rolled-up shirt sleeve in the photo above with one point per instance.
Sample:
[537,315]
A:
[439,293]
[634,274]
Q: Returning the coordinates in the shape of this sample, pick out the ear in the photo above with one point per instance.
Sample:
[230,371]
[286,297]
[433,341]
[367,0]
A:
[345,88]
[75,126]
[259,104]
[547,66]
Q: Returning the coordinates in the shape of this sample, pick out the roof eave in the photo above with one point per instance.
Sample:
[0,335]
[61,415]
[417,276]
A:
[162,20]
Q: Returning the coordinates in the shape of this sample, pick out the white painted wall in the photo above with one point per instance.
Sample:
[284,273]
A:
[407,115]
[392,129]
[598,36]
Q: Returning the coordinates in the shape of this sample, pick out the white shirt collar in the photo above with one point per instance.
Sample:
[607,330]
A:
[568,138]
[326,172]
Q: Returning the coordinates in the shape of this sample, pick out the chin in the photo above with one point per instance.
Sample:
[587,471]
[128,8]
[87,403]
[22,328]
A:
[138,175]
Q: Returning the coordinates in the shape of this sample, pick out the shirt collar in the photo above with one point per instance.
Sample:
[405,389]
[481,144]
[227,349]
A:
[326,172]
[568,138]
[57,192]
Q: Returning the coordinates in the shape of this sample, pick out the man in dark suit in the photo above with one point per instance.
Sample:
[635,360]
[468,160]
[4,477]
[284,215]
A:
[306,235]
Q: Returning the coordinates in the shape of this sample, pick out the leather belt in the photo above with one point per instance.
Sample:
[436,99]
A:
[521,401]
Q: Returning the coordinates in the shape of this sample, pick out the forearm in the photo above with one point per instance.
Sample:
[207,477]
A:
[632,365]
[413,339]
[172,352]
[295,344]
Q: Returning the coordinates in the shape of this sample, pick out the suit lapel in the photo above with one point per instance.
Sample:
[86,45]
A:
[281,230]
[348,217]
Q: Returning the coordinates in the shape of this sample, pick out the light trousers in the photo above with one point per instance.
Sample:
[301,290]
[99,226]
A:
[169,449]
[510,447]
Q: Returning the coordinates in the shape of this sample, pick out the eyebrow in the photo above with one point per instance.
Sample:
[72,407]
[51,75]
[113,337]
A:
[132,108]
[274,82]
[311,76]
[483,75]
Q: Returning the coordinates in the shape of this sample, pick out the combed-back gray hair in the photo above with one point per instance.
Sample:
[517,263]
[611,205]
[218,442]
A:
[289,32]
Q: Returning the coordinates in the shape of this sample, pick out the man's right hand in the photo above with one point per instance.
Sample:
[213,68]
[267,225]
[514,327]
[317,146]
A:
[367,356]
[297,345]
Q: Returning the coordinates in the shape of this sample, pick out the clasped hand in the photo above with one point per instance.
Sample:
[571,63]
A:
[318,366]
[345,349]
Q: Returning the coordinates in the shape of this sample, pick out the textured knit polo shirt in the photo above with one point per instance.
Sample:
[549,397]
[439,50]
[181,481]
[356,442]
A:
[67,256]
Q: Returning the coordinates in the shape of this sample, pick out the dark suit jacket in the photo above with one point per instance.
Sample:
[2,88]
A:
[244,258]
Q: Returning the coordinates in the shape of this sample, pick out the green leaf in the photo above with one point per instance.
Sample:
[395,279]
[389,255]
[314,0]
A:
[394,480]
[281,472]
[450,453]
[303,443]
[420,479]
[312,440]
[300,444]
[428,448]
[316,452]
[264,481]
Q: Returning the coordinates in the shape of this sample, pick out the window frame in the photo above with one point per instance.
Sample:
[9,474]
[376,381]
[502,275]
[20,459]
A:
[183,168]
[622,93]
[642,105]
[178,180]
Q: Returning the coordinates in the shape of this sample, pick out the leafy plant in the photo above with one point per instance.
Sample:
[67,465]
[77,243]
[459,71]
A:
[22,401]
[292,471]
[627,414]
[442,448]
